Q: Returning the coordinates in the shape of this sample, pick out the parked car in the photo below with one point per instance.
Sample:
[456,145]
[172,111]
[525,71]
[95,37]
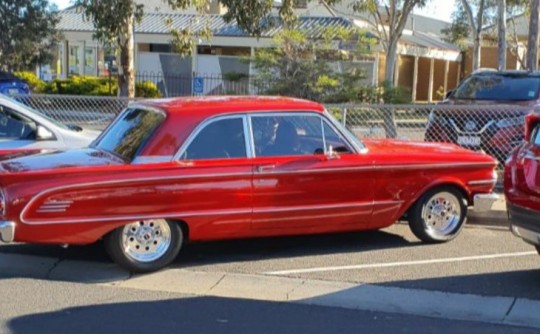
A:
[24,130]
[469,116]
[522,185]
[198,169]
[12,85]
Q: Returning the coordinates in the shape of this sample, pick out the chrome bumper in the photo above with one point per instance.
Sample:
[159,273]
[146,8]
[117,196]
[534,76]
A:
[527,235]
[485,202]
[7,231]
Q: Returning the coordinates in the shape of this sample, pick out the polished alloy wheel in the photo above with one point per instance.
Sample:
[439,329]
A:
[442,213]
[146,240]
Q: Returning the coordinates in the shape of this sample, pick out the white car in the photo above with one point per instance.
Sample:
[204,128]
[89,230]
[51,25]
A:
[23,129]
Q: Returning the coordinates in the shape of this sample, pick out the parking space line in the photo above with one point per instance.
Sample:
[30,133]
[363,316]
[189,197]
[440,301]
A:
[400,264]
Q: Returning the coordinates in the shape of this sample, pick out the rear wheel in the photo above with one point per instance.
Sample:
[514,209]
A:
[145,245]
[439,215]
[538,249]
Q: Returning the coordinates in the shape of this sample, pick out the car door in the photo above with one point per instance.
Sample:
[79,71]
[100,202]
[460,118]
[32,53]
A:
[307,176]
[217,184]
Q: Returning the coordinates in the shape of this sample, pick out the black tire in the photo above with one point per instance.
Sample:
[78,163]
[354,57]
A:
[439,215]
[146,245]
[537,249]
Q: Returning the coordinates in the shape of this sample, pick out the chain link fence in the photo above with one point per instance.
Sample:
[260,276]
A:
[93,112]
[494,129]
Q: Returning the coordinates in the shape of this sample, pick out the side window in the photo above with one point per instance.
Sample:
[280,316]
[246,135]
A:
[220,139]
[287,135]
[15,126]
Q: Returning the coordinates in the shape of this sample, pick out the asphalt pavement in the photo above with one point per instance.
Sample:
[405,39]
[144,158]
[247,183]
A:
[283,287]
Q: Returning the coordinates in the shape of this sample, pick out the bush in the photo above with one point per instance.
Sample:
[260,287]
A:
[82,85]
[146,89]
[36,85]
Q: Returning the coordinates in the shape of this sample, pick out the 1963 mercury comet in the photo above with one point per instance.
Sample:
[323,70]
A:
[168,171]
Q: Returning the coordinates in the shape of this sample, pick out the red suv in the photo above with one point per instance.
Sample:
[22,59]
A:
[486,111]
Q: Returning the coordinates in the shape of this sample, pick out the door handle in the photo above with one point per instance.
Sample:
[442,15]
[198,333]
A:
[265,168]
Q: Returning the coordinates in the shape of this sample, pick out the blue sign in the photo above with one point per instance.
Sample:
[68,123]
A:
[198,85]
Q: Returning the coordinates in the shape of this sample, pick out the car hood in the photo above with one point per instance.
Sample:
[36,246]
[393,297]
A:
[404,152]
[86,157]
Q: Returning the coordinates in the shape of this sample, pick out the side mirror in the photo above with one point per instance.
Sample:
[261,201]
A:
[331,154]
[42,133]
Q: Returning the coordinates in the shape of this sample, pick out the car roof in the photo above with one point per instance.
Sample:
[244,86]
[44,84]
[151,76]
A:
[510,73]
[209,105]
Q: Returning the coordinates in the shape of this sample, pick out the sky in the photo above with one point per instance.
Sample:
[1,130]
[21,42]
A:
[441,9]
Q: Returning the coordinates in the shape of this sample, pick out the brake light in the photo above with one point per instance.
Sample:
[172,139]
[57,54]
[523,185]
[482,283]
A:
[2,203]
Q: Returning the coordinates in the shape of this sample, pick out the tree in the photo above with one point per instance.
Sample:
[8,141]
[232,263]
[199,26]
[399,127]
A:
[301,67]
[388,18]
[476,23]
[501,36]
[28,33]
[114,21]
[532,45]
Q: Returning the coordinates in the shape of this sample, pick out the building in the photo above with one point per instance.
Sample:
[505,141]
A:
[426,63]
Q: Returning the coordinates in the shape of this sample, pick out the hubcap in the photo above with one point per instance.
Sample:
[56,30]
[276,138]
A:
[146,240]
[442,214]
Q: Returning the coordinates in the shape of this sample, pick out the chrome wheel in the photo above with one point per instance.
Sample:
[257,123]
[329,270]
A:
[438,215]
[146,240]
[442,213]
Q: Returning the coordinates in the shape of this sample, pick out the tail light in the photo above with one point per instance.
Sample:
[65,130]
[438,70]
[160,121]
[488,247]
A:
[2,203]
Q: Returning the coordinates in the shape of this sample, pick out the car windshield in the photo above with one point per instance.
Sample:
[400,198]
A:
[130,132]
[496,87]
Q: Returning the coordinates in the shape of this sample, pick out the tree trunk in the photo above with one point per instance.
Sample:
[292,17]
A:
[532,46]
[126,73]
[502,35]
[391,56]
[477,52]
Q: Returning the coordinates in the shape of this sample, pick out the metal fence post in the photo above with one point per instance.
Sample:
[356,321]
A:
[344,116]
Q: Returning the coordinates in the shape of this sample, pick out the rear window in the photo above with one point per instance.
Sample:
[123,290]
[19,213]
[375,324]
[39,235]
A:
[495,87]
[130,132]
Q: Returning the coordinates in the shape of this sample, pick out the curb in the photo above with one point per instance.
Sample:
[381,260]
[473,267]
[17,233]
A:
[366,297]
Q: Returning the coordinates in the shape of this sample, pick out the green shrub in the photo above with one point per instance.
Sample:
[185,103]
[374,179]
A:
[82,85]
[146,89]
[36,85]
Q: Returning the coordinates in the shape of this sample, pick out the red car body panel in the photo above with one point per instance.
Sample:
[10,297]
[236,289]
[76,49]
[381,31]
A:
[78,196]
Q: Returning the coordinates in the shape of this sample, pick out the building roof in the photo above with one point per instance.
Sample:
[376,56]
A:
[154,23]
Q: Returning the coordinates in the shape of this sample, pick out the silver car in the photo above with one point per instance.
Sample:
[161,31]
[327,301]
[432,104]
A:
[23,128]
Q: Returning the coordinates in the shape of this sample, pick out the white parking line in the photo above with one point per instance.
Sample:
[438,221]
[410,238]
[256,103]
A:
[399,264]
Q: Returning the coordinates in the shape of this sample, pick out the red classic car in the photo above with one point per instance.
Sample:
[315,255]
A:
[522,184]
[168,171]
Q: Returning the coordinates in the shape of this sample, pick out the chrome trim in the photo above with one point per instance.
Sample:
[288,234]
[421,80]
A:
[136,217]
[459,131]
[482,182]
[347,135]
[485,202]
[312,207]
[151,159]
[248,135]
[525,234]
[176,177]
[7,231]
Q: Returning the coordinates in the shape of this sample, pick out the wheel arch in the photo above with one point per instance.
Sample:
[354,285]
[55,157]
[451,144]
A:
[443,183]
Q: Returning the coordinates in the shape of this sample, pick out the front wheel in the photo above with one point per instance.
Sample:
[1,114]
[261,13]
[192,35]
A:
[145,245]
[439,215]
